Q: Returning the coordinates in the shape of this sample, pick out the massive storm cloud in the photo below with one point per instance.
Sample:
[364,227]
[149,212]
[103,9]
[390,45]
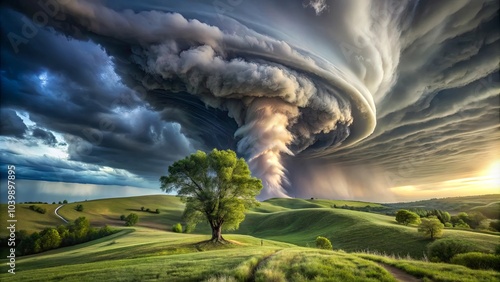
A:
[323,98]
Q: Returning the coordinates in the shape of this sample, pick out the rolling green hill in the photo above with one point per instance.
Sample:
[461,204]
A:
[149,251]
[144,254]
[295,221]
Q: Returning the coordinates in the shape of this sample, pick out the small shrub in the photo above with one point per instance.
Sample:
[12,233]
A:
[142,208]
[123,217]
[323,243]
[79,207]
[157,211]
[448,224]
[177,228]
[476,260]
[443,250]
[131,219]
[65,201]
[53,203]
[497,250]
[148,210]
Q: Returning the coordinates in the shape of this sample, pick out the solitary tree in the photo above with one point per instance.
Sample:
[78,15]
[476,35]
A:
[431,227]
[217,187]
[407,217]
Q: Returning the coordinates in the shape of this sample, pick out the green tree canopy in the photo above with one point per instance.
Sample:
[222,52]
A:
[407,217]
[50,239]
[431,227]
[217,187]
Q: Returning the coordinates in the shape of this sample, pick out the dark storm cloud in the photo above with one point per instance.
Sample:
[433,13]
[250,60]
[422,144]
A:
[12,124]
[46,136]
[70,87]
[47,168]
[343,98]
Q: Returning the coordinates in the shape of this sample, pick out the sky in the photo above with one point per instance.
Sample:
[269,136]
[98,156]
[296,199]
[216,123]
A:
[366,100]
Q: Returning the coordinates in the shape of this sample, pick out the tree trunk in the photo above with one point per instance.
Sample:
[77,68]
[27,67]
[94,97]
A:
[217,234]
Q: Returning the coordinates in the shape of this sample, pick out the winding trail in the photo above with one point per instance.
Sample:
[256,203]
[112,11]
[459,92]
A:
[55,211]
[399,274]
[261,262]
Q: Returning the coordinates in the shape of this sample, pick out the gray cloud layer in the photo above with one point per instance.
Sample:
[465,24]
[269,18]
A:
[378,92]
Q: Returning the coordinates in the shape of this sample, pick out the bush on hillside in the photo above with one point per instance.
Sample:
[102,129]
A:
[79,207]
[123,217]
[177,228]
[38,209]
[131,219]
[477,260]
[323,243]
[443,250]
[157,211]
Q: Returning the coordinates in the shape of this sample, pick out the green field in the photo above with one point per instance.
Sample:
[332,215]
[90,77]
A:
[149,251]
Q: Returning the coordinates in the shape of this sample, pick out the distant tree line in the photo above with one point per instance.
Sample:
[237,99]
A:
[366,208]
[473,220]
[74,233]
[46,203]
[157,211]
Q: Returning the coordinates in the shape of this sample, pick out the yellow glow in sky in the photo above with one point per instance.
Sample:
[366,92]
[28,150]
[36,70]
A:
[487,183]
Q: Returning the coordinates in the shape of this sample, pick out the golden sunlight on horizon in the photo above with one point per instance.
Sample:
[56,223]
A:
[487,182]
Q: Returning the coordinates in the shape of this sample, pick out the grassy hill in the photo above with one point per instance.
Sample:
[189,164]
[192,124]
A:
[108,211]
[144,254]
[30,220]
[295,221]
[149,251]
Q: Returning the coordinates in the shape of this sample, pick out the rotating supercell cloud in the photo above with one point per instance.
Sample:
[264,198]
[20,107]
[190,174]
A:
[322,98]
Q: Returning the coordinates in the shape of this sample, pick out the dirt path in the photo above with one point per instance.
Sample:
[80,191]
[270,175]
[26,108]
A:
[65,221]
[399,274]
[261,262]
